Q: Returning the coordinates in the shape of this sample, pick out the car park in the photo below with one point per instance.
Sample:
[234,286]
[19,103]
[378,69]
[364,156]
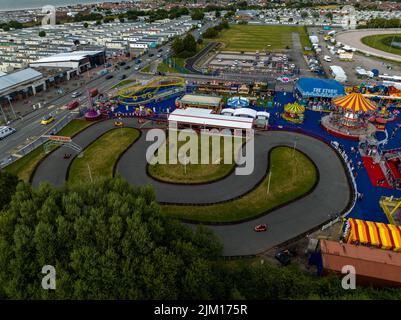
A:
[5,131]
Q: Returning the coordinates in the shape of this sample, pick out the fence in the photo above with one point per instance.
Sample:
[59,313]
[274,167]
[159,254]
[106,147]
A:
[41,140]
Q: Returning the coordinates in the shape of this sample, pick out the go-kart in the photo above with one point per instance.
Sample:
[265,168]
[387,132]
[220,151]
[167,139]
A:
[261,228]
[67,155]
[118,123]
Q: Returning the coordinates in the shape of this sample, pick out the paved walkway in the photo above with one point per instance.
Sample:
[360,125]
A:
[353,39]
[330,196]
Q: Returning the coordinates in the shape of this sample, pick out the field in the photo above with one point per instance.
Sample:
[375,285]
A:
[383,42]
[197,173]
[293,175]
[254,37]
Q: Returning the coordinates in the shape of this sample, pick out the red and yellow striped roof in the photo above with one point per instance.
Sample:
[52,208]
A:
[381,235]
[355,102]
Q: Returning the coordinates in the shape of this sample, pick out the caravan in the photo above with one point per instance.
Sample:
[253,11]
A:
[6,131]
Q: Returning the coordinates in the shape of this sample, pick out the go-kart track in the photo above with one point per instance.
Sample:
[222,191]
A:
[353,38]
[331,194]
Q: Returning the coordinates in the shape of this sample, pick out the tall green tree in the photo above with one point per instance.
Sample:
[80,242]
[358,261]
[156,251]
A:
[8,185]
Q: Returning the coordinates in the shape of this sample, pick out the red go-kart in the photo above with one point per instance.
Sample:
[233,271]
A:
[261,227]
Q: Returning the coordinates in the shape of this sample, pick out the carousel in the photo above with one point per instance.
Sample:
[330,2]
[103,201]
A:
[351,122]
[294,112]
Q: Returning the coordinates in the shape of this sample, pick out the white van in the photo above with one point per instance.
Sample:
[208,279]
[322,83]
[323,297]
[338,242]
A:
[6,131]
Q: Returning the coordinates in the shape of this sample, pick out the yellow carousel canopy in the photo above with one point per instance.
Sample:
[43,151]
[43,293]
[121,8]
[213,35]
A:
[294,108]
[355,102]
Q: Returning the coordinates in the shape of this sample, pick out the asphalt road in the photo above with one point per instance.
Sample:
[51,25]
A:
[330,196]
[353,39]
[29,128]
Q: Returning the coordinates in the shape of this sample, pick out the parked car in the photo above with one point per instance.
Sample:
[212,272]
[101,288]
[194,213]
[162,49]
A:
[5,131]
[284,256]
[72,104]
[47,119]
[260,228]
[327,58]
[109,76]
[138,61]
[76,94]
[122,77]
[122,63]
[127,67]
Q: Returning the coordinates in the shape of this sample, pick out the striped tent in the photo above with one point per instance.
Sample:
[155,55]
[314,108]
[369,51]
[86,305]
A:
[294,108]
[377,234]
[354,102]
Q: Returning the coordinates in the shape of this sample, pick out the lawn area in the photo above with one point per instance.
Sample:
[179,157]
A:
[24,167]
[146,69]
[196,173]
[293,175]
[101,155]
[123,83]
[383,42]
[176,66]
[254,37]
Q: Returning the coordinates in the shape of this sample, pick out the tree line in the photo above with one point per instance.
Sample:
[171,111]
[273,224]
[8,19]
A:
[108,240]
[381,23]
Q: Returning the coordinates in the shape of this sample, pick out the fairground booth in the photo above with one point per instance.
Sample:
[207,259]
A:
[200,101]
[294,112]
[351,120]
[317,94]
[199,119]
[373,234]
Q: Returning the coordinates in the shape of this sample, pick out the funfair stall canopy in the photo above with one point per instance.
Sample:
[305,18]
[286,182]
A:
[319,88]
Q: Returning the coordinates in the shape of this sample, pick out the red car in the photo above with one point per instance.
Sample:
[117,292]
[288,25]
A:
[261,227]
[72,105]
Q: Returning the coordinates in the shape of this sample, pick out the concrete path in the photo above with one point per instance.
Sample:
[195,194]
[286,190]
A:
[330,196]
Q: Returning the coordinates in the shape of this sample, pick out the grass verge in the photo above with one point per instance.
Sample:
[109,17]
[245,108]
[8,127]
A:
[100,156]
[382,42]
[24,167]
[293,174]
[197,173]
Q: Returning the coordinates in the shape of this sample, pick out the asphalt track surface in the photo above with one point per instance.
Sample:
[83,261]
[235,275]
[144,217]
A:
[330,196]
[353,39]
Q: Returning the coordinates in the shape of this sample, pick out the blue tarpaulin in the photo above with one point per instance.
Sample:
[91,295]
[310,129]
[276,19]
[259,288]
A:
[314,87]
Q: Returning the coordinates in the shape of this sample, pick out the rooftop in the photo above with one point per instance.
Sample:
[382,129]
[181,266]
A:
[19,77]
[369,262]
[201,99]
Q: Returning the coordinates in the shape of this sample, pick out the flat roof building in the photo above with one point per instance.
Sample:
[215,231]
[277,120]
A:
[373,266]
[200,101]
[205,119]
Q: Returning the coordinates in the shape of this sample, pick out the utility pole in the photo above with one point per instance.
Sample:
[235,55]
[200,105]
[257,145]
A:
[90,173]
[268,182]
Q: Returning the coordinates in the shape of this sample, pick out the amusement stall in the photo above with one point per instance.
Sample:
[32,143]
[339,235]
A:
[317,94]
[294,112]
[374,234]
